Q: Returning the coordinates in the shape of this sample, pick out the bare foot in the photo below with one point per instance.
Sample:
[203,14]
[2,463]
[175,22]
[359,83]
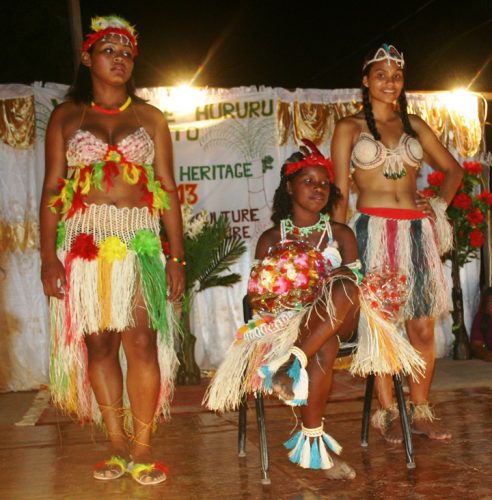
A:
[392,432]
[387,421]
[282,382]
[430,429]
[340,470]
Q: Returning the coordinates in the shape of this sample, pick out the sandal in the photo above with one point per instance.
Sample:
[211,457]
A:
[140,471]
[116,466]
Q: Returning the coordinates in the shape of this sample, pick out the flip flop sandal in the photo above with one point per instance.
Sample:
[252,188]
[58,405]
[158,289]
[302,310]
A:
[139,471]
[111,465]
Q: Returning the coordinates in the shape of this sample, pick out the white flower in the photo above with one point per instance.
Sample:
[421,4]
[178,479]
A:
[193,225]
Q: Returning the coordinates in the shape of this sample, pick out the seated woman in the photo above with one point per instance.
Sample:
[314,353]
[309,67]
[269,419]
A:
[481,334]
[291,349]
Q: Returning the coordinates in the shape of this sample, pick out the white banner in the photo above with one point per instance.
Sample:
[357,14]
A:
[227,161]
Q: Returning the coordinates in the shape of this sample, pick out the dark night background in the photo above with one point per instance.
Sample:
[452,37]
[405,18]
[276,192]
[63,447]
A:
[309,45]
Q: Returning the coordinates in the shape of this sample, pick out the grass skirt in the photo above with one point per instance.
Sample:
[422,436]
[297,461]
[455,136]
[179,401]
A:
[111,257]
[268,341]
[410,247]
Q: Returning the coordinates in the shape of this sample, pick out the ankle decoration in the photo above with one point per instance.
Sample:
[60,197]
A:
[297,372]
[422,411]
[383,417]
[309,448]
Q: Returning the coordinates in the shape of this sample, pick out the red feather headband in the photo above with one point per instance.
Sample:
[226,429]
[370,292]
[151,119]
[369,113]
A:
[92,38]
[314,159]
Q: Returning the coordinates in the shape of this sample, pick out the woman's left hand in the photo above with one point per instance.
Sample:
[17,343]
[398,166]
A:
[176,279]
[423,205]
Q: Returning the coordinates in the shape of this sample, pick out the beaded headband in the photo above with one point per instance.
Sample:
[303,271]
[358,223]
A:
[313,159]
[389,53]
[108,27]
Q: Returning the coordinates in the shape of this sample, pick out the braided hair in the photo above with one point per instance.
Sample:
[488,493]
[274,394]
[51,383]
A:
[369,116]
[282,201]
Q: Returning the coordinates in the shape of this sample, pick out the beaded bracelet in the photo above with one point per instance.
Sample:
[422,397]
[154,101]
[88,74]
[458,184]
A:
[355,268]
[178,260]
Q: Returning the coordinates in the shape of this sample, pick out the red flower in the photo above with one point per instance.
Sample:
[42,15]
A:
[475,216]
[435,178]
[476,238]
[462,200]
[427,192]
[486,197]
[473,167]
[84,247]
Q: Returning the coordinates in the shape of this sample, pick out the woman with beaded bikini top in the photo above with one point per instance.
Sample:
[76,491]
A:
[381,150]
[108,185]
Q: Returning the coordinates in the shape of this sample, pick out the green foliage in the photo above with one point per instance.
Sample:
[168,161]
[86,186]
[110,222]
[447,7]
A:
[468,212]
[210,253]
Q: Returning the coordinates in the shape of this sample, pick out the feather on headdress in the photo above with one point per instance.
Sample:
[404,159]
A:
[312,158]
[111,25]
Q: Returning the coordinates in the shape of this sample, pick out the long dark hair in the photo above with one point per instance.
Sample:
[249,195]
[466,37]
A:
[282,201]
[402,104]
[81,89]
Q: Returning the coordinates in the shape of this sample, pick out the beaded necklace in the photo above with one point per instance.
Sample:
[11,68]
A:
[307,230]
[114,111]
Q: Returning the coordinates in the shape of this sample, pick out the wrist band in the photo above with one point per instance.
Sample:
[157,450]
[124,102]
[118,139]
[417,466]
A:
[178,260]
[355,268]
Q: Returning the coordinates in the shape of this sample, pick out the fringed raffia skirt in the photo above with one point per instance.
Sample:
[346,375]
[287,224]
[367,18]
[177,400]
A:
[407,242]
[266,342]
[112,258]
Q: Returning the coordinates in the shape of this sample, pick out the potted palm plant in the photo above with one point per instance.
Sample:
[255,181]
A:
[210,251]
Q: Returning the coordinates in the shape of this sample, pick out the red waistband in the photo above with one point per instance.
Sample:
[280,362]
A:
[393,213]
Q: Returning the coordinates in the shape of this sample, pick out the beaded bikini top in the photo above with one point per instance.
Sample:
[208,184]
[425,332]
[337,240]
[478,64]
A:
[84,148]
[94,163]
[368,153]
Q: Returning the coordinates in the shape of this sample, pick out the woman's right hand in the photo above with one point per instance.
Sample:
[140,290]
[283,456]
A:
[53,278]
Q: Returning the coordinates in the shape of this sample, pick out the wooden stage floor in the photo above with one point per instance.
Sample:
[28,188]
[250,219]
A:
[44,455]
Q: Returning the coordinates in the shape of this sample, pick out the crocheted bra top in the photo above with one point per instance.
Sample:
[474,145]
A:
[368,153]
[330,253]
[84,148]
[93,163]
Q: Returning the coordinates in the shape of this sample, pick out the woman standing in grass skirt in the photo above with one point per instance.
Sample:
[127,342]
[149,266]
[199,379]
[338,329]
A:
[397,228]
[108,184]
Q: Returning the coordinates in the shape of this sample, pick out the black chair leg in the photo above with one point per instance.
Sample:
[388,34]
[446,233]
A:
[260,419]
[405,423]
[241,436]
[364,439]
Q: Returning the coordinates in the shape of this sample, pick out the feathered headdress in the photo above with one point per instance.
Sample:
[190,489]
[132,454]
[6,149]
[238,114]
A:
[312,158]
[111,25]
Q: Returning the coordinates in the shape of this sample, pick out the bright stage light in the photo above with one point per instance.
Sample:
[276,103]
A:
[462,104]
[181,100]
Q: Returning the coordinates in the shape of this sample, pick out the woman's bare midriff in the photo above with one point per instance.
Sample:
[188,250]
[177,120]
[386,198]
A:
[375,191]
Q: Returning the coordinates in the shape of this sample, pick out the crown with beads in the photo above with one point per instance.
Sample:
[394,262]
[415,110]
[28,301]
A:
[388,53]
[109,27]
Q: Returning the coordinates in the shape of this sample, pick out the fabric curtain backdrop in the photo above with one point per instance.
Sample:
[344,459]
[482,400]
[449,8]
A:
[229,145]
